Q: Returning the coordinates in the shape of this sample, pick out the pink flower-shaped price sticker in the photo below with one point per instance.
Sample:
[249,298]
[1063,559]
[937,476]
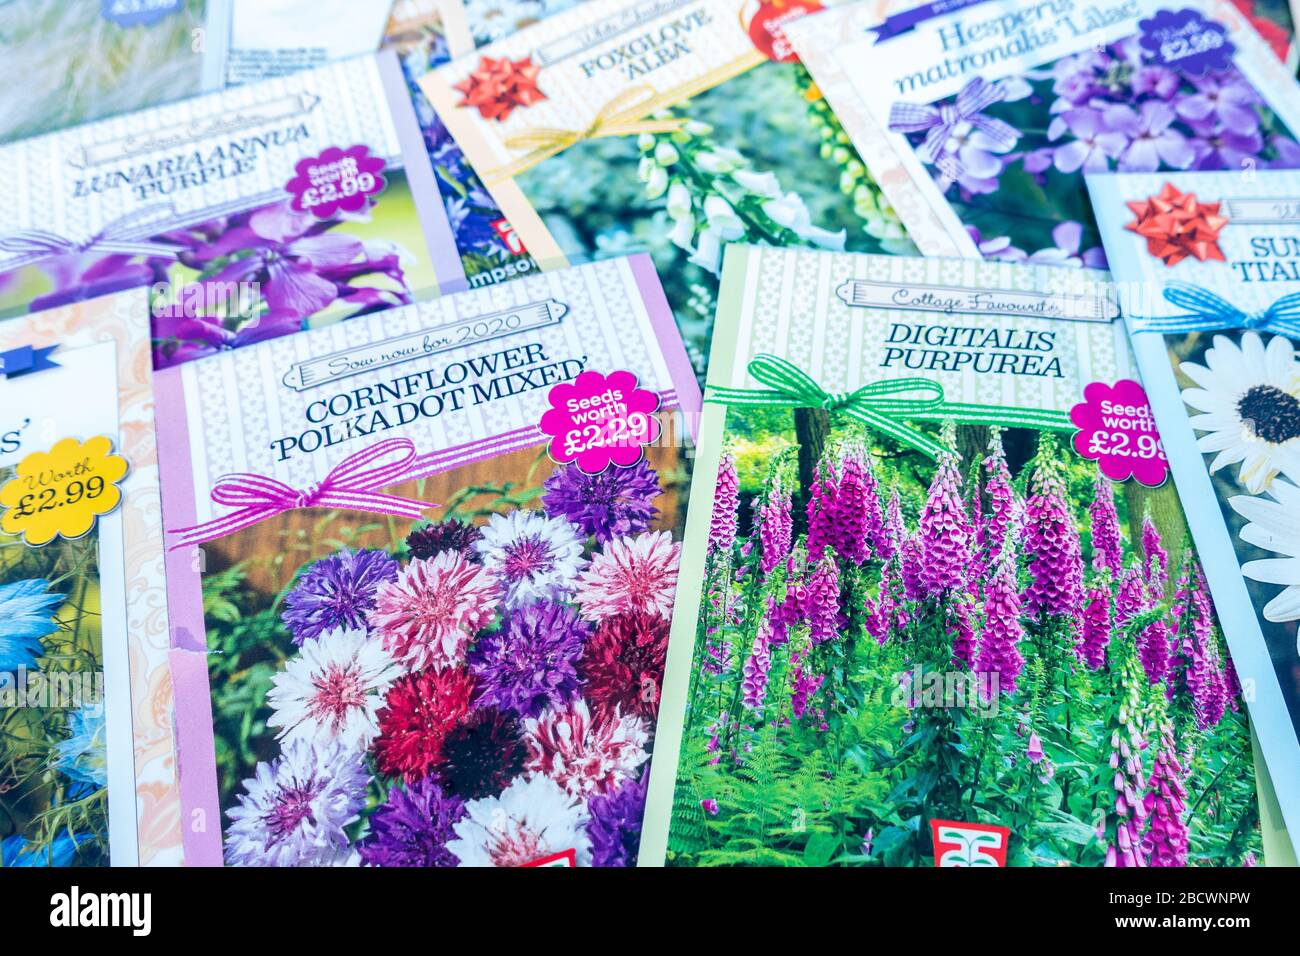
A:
[598,420]
[1117,430]
[337,179]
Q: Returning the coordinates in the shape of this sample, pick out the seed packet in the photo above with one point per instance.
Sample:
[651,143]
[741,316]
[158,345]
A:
[490,250]
[486,21]
[1209,264]
[938,603]
[85,690]
[673,128]
[270,38]
[980,122]
[421,571]
[97,58]
[249,213]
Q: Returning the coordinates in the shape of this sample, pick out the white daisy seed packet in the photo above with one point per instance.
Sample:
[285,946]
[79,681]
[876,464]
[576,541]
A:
[1208,266]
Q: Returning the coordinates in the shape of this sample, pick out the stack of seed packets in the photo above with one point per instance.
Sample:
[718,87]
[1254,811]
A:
[270,38]
[938,602]
[85,688]
[672,128]
[420,574]
[980,119]
[250,213]
[88,59]
[1209,269]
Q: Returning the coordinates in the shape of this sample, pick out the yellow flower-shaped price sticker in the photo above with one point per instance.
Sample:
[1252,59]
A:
[62,491]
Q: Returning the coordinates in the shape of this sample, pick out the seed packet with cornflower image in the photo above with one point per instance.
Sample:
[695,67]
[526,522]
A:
[422,570]
[981,119]
[1208,265]
[669,127]
[99,58]
[939,606]
[85,690]
[251,213]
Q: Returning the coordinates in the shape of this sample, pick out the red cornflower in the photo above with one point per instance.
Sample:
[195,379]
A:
[419,710]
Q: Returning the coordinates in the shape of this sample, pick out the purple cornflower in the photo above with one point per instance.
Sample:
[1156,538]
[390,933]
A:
[753,682]
[531,663]
[1156,558]
[1093,145]
[722,525]
[775,528]
[615,825]
[449,535]
[1151,141]
[1056,557]
[1107,547]
[1068,237]
[1095,633]
[336,592]
[413,827]
[1165,842]
[822,601]
[616,503]
[945,532]
[999,651]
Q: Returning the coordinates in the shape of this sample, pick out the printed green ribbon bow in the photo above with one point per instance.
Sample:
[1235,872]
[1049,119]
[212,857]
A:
[878,405]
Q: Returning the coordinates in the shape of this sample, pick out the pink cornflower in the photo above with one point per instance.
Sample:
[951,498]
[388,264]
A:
[631,575]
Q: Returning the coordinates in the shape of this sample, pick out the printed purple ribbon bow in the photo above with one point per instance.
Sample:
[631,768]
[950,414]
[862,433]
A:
[116,237]
[942,122]
[350,484]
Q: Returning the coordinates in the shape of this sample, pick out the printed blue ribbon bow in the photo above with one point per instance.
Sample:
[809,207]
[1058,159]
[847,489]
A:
[115,237]
[25,359]
[942,122]
[878,405]
[1207,312]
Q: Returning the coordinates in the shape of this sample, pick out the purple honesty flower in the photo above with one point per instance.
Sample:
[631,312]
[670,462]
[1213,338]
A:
[1076,78]
[822,600]
[1107,549]
[336,592]
[615,825]
[945,532]
[78,276]
[1068,236]
[999,651]
[1095,632]
[775,527]
[412,828]
[722,523]
[1165,802]
[532,662]
[617,503]
[1094,144]
[1223,97]
[1056,559]
[1151,140]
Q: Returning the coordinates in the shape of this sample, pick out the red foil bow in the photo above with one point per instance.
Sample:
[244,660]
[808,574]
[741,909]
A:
[497,87]
[1176,225]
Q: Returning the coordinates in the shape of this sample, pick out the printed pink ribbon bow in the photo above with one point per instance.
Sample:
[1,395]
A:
[350,484]
[943,122]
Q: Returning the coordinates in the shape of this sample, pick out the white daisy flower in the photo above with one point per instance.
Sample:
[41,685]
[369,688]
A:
[295,810]
[532,818]
[1250,399]
[333,690]
[1274,526]
[533,557]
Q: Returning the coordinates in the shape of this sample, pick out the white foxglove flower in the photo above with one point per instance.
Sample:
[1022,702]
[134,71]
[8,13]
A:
[764,184]
[708,253]
[682,232]
[679,200]
[720,160]
[657,184]
[723,219]
[666,154]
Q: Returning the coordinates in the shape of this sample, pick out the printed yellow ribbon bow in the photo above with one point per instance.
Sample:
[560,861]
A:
[624,115]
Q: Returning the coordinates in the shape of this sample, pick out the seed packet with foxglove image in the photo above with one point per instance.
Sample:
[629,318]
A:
[673,128]
[939,605]
[1208,265]
[981,119]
